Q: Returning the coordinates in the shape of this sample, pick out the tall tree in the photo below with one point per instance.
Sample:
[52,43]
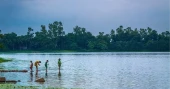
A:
[1,43]
[56,34]
[10,40]
[30,36]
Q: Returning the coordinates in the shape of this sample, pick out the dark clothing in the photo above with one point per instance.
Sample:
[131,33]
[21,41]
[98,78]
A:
[46,64]
[59,63]
[31,66]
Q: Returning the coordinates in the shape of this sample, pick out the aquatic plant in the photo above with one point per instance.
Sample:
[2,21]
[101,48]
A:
[4,60]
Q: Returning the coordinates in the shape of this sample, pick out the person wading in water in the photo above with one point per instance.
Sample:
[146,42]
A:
[31,66]
[46,65]
[37,63]
[59,64]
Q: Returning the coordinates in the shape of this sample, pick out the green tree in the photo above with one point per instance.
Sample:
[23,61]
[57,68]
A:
[102,41]
[30,36]
[10,40]
[56,34]
[82,37]
[1,41]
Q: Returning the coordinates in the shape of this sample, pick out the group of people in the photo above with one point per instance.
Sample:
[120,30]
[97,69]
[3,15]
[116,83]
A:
[37,63]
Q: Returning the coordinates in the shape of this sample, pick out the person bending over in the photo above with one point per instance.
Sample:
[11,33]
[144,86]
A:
[36,64]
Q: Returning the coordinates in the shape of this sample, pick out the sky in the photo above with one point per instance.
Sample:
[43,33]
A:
[94,15]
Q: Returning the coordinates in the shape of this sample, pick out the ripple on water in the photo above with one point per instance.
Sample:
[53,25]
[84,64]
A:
[111,70]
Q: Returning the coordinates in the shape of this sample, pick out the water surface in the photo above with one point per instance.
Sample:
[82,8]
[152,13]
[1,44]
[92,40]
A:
[111,70]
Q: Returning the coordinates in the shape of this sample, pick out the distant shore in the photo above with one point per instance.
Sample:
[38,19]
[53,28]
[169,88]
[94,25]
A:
[69,51]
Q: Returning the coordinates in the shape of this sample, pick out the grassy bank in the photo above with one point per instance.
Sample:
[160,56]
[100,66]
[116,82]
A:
[13,86]
[4,60]
[70,51]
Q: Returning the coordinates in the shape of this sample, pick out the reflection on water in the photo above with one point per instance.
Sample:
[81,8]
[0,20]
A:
[111,70]
[46,75]
[59,74]
[31,77]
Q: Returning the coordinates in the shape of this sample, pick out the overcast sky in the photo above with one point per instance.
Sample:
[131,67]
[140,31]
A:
[95,15]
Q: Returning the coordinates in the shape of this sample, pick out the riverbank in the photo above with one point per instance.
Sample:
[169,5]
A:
[4,60]
[38,51]
[69,51]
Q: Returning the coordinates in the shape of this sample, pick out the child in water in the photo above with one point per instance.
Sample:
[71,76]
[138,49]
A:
[37,63]
[46,65]
[31,66]
[59,63]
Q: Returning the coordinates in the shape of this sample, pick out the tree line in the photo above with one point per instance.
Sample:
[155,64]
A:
[54,38]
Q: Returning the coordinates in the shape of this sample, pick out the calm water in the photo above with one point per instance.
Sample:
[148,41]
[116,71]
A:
[111,70]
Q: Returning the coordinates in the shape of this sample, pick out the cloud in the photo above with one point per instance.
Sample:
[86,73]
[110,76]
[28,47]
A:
[95,15]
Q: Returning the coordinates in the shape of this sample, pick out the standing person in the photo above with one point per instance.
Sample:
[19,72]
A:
[37,63]
[46,65]
[59,64]
[31,66]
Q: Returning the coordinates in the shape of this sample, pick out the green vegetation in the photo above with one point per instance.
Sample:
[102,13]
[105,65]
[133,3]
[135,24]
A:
[13,86]
[54,39]
[4,60]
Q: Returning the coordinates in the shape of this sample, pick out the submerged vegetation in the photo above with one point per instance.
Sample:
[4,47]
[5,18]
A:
[4,60]
[54,38]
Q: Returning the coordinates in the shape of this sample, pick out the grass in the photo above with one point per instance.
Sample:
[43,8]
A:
[13,86]
[4,60]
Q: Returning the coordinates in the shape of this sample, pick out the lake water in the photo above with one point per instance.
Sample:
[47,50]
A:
[103,70]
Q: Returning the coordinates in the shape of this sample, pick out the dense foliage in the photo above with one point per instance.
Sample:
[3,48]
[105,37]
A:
[54,38]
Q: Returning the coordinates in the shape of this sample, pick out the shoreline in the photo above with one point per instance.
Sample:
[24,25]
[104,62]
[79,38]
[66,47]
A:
[68,51]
